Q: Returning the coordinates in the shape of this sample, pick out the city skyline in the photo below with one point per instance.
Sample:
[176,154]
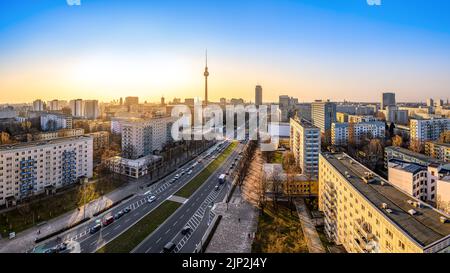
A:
[52,50]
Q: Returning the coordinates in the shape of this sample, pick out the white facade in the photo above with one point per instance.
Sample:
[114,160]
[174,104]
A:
[77,108]
[38,105]
[305,144]
[141,137]
[342,133]
[422,130]
[27,169]
[53,122]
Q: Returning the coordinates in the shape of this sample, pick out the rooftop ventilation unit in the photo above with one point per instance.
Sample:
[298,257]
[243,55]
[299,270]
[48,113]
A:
[382,183]
[384,206]
[411,202]
[418,204]
[412,212]
[443,219]
[389,211]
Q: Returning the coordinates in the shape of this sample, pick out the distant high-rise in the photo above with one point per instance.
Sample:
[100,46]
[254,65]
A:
[258,95]
[163,101]
[38,105]
[77,107]
[206,74]
[323,114]
[121,101]
[430,102]
[91,109]
[129,101]
[388,99]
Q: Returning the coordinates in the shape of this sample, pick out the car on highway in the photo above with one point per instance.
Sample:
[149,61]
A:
[108,221]
[95,228]
[169,247]
[185,230]
[118,215]
[51,250]
[126,210]
[151,199]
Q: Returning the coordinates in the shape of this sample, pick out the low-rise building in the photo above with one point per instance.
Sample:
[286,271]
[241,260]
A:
[276,180]
[134,168]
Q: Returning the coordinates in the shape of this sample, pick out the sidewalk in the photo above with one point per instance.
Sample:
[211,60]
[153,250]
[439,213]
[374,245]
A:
[24,240]
[232,234]
[309,230]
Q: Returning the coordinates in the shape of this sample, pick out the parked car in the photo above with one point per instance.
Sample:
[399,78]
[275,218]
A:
[189,172]
[151,199]
[217,188]
[172,180]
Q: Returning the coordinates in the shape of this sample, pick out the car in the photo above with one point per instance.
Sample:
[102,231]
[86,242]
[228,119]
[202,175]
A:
[186,230]
[177,176]
[118,215]
[189,172]
[126,210]
[217,188]
[62,247]
[95,228]
[151,199]
[169,247]
[108,221]
[51,250]
[172,180]
[147,192]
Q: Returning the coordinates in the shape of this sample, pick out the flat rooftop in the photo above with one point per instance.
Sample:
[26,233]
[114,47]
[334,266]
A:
[425,227]
[7,147]
[414,154]
[304,123]
[406,166]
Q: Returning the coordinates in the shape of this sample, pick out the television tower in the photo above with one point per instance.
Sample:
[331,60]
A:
[206,74]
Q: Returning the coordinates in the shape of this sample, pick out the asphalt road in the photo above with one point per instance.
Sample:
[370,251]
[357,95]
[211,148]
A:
[86,242]
[194,213]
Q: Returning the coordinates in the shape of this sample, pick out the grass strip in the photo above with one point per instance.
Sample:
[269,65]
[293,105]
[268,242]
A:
[132,237]
[195,183]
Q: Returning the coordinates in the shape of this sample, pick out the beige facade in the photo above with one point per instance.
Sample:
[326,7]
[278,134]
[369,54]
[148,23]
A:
[437,150]
[58,134]
[366,214]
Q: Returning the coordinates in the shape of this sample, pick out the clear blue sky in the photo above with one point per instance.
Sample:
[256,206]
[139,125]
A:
[310,49]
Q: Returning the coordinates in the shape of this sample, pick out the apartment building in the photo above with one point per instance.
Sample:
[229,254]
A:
[366,214]
[100,140]
[323,114]
[423,130]
[360,118]
[341,117]
[440,151]
[55,121]
[58,134]
[305,145]
[31,168]
[344,133]
[141,137]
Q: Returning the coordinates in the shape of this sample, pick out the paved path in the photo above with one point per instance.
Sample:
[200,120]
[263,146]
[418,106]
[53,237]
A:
[238,222]
[309,230]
